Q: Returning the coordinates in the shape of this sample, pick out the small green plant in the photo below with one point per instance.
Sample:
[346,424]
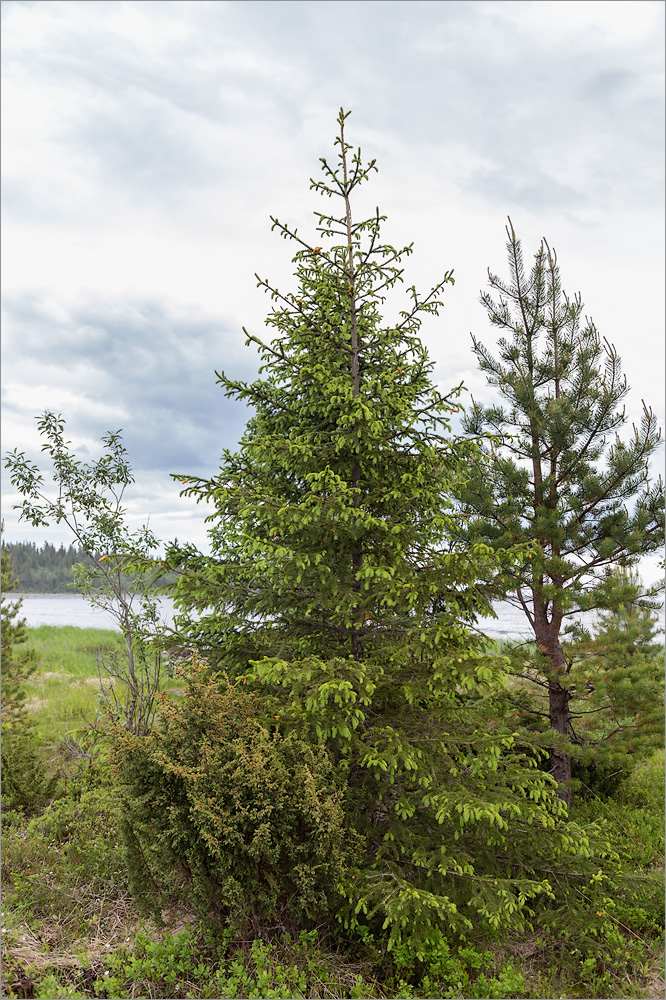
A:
[66,865]
[18,660]
[252,819]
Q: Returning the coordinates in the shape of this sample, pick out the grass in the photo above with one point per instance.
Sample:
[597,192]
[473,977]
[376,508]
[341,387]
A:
[71,929]
[63,693]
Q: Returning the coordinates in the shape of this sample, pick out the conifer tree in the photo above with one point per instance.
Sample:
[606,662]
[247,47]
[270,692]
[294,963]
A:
[617,679]
[18,662]
[337,593]
[25,784]
[556,472]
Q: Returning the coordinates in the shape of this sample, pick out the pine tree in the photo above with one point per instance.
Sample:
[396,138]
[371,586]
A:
[18,661]
[554,473]
[617,678]
[337,592]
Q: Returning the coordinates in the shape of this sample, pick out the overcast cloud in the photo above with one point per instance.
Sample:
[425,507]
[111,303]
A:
[146,142]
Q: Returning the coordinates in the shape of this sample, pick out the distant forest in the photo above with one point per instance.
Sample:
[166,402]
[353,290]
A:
[48,570]
[45,569]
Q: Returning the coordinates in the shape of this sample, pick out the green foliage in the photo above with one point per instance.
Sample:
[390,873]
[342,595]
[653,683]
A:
[556,473]
[347,759]
[636,814]
[169,965]
[65,868]
[124,580]
[18,662]
[251,818]
[332,524]
[185,965]
[63,692]
[25,782]
[18,665]
[64,877]
[645,786]
[44,569]
[8,579]
[338,593]
[617,685]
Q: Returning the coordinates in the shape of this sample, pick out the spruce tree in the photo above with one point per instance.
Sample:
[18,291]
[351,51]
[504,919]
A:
[337,592]
[556,473]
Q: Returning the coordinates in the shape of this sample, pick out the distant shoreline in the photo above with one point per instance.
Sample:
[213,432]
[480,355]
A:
[75,609]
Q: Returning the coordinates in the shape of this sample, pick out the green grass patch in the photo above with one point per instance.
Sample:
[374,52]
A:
[63,693]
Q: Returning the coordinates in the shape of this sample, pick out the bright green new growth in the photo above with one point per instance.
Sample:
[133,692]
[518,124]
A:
[333,521]
[337,593]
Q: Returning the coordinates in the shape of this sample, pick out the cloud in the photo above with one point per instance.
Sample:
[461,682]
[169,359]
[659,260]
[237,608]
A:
[146,144]
[165,105]
[151,363]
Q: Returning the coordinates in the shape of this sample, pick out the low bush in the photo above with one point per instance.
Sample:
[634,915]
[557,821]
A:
[250,821]
[27,784]
[63,871]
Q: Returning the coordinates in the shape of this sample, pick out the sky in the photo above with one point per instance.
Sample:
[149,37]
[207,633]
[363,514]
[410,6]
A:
[147,142]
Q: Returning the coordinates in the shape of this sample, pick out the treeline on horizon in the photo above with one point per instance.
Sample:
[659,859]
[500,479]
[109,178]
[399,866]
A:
[47,569]
[44,569]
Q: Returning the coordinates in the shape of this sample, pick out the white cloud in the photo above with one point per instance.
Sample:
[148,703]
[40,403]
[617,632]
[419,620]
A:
[146,144]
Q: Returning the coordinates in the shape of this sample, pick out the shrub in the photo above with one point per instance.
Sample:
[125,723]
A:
[26,785]
[249,819]
[66,865]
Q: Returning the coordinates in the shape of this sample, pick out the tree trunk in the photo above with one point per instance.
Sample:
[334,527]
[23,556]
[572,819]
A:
[560,720]
[356,639]
[547,636]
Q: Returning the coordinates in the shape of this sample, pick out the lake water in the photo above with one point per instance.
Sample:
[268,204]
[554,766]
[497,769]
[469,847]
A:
[75,609]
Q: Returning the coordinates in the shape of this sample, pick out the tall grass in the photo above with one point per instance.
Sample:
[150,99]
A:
[63,693]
